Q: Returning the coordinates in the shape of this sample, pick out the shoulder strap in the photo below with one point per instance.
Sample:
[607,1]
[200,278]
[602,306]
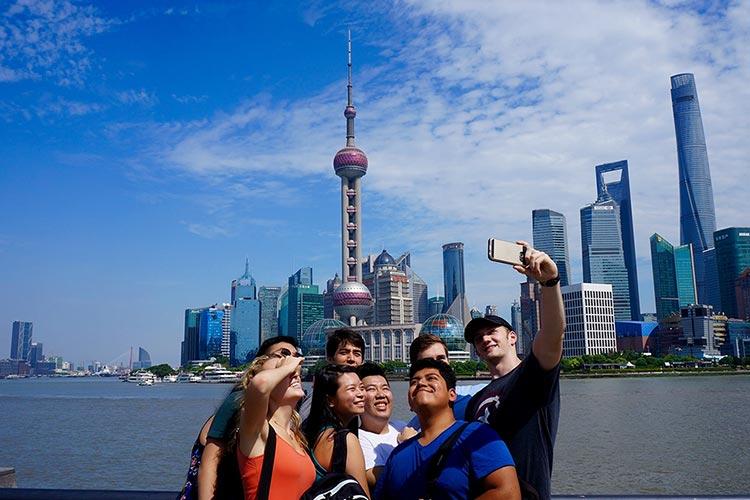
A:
[338,456]
[437,463]
[269,454]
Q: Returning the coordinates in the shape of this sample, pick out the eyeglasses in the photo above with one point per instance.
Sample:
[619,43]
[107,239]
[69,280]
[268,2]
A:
[284,352]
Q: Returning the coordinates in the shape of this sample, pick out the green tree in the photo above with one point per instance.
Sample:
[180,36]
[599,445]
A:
[162,370]
[394,366]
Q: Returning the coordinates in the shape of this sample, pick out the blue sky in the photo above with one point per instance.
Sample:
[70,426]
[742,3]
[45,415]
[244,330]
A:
[147,148]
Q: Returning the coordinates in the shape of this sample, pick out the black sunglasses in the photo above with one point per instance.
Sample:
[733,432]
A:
[284,352]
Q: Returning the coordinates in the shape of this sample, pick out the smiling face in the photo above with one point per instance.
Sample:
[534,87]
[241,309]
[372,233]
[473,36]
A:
[349,400]
[429,391]
[493,345]
[347,354]
[289,391]
[378,397]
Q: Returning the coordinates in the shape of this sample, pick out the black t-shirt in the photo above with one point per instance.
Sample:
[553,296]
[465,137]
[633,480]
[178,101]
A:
[523,406]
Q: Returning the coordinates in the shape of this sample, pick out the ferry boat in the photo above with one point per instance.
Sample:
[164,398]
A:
[169,378]
[217,374]
[147,382]
[138,377]
[188,377]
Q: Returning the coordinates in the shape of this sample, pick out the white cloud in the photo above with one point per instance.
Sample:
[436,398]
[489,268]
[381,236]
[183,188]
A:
[487,110]
[44,39]
[137,96]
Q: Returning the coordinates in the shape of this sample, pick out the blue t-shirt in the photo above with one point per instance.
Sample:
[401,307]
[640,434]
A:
[478,452]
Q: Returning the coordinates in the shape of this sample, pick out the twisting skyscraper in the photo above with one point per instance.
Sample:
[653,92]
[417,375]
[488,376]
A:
[352,299]
[697,218]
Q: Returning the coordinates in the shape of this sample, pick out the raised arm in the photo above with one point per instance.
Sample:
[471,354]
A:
[548,343]
[257,394]
[355,461]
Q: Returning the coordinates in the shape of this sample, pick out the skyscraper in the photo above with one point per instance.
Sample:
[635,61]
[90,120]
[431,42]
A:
[684,271]
[391,293]
[245,322]
[144,359]
[615,180]
[352,300]
[210,331]
[732,257]
[269,311]
[20,341]
[191,336]
[589,320]
[551,237]
[697,217]
[419,292]
[665,282]
[305,303]
[226,331]
[454,286]
[601,248]
[331,286]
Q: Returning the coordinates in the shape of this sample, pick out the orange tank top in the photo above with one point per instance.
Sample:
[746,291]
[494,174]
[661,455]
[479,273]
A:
[293,473]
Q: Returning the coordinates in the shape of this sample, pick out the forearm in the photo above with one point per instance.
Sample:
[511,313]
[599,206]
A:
[549,340]
[207,471]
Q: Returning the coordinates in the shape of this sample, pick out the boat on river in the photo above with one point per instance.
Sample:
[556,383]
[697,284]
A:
[217,374]
[141,376]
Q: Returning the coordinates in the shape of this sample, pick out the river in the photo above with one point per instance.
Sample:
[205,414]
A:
[651,435]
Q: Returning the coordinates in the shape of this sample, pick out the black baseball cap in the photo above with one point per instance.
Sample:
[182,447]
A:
[272,341]
[477,325]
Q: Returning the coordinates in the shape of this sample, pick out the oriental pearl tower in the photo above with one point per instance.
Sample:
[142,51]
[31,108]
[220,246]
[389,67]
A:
[351,300]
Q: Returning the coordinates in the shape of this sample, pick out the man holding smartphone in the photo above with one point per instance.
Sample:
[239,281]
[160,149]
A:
[522,403]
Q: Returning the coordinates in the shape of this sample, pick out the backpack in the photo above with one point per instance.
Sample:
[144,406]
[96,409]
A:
[190,488]
[335,485]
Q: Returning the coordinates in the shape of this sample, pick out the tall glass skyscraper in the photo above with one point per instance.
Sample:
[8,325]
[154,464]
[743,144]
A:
[614,178]
[269,311]
[665,282]
[697,218]
[210,332]
[20,342]
[551,237]
[305,303]
[453,273]
[602,252]
[674,276]
[191,336]
[245,321]
[732,257]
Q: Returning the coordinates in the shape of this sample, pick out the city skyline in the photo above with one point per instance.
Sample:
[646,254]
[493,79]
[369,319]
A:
[182,166]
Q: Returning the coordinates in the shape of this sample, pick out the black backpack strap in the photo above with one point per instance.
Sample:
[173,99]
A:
[437,464]
[269,454]
[338,456]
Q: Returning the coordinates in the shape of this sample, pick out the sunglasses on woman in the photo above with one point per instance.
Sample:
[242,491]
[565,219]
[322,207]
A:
[284,353]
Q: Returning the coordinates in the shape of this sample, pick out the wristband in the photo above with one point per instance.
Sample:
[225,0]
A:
[551,282]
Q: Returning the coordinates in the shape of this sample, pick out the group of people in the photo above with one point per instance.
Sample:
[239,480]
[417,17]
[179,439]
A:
[269,440]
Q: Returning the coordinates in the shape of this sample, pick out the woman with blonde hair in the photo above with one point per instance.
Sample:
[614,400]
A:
[272,388]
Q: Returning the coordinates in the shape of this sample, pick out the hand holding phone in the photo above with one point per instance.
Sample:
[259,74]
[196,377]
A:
[506,252]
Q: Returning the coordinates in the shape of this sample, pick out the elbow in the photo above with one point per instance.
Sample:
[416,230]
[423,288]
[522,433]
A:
[259,384]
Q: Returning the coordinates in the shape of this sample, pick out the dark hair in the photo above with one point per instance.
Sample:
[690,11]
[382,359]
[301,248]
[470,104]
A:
[343,336]
[444,368]
[326,384]
[370,369]
[423,342]
[272,341]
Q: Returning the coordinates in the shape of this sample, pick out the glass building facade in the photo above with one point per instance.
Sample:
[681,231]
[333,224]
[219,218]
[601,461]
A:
[665,281]
[20,341]
[245,321]
[191,335]
[269,311]
[551,237]
[614,179]
[732,246]
[210,332]
[602,252]
[453,273]
[447,327]
[305,303]
[697,217]
[435,305]
[684,268]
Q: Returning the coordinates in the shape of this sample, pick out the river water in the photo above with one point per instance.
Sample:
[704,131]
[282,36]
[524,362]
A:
[653,435]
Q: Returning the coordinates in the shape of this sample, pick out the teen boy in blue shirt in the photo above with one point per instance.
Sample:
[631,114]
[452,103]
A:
[478,465]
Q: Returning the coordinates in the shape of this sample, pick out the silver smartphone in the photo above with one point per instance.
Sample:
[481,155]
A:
[507,252]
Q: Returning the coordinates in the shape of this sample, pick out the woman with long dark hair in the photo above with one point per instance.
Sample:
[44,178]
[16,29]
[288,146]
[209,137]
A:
[272,388]
[338,398]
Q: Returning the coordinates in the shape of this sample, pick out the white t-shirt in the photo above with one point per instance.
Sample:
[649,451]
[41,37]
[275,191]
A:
[377,447]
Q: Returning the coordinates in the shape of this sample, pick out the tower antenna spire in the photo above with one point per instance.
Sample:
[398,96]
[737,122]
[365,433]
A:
[350,112]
